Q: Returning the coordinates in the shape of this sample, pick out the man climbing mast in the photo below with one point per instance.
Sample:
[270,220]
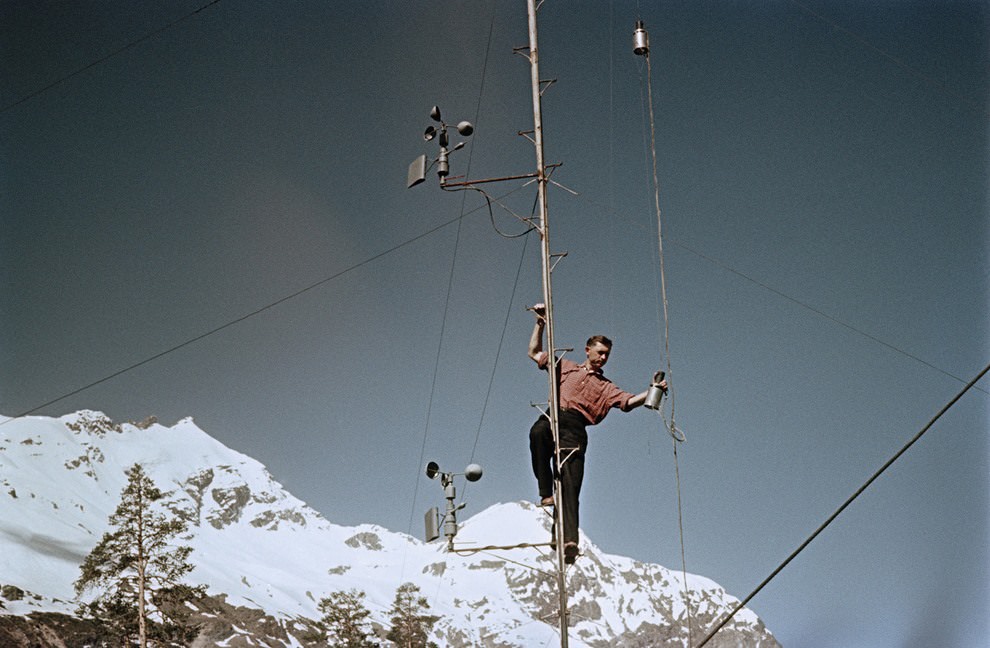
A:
[586,396]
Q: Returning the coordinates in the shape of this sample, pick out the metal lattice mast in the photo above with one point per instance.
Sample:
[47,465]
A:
[416,175]
[544,230]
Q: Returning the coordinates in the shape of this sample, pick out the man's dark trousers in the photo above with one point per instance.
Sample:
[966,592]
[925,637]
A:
[573,443]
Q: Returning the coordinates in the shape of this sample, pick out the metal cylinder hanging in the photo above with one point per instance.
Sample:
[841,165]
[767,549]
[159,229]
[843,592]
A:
[641,40]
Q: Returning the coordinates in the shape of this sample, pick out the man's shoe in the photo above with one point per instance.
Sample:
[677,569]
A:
[546,501]
[570,552]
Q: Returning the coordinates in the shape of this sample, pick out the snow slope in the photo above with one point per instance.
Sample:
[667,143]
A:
[60,479]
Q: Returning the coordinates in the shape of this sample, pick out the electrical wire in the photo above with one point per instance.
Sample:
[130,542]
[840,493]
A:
[105,58]
[609,209]
[501,341]
[776,291]
[845,504]
[819,312]
[979,106]
[450,283]
[436,373]
[241,318]
[491,214]
[498,352]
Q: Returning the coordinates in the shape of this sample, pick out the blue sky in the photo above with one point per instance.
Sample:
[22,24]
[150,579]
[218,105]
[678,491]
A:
[823,173]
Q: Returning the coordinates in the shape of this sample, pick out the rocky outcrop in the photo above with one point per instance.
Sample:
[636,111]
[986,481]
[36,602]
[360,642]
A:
[216,621]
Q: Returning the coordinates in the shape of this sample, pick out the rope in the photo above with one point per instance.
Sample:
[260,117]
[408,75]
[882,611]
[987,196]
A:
[656,202]
[676,436]
[680,529]
[845,504]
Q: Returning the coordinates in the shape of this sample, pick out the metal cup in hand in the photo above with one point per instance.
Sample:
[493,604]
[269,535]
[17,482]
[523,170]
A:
[655,394]
[653,397]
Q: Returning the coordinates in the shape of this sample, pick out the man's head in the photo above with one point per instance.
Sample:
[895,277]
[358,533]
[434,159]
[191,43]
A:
[598,348]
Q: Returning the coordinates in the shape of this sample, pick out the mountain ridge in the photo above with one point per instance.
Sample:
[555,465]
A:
[257,547]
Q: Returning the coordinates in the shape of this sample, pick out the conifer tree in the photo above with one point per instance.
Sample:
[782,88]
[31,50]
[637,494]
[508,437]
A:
[139,569]
[346,620]
[411,627]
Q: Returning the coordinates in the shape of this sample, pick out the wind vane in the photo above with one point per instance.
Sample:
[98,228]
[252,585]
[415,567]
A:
[418,167]
[472,473]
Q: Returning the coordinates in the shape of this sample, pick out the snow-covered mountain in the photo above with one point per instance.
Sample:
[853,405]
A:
[260,549]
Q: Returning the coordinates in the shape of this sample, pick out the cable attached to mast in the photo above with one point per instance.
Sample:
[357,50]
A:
[845,505]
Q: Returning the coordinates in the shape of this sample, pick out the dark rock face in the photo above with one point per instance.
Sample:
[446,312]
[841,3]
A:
[48,630]
[216,620]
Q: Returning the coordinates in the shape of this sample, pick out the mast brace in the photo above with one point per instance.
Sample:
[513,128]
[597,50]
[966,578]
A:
[524,176]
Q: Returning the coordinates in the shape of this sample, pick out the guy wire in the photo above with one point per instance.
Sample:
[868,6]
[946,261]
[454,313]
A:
[450,280]
[845,504]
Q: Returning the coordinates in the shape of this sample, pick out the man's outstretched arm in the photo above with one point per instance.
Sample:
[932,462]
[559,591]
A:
[640,398]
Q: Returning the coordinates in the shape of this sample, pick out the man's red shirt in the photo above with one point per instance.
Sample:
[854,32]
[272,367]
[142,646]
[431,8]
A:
[586,391]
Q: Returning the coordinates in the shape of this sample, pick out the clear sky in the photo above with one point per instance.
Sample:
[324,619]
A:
[823,171]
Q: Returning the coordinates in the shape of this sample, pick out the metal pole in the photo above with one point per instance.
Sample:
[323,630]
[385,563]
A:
[544,229]
[450,518]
